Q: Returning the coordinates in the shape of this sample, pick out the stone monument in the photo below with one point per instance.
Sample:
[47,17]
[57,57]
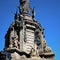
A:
[24,39]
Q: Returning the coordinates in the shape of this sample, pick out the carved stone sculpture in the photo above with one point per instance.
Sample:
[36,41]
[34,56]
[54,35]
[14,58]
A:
[24,39]
[24,6]
[34,51]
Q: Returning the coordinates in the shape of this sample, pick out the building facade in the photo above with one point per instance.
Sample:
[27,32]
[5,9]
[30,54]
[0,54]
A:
[24,39]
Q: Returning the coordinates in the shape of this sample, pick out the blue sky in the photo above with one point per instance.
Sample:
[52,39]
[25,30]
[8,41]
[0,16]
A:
[47,13]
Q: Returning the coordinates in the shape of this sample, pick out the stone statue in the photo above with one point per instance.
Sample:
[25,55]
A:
[14,39]
[24,6]
[46,48]
[34,51]
[16,42]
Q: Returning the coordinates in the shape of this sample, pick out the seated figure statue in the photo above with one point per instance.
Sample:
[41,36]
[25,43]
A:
[34,52]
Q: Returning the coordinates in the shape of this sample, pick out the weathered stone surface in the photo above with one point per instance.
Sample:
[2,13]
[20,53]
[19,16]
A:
[24,39]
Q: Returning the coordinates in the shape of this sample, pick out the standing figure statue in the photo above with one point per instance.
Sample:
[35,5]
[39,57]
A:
[24,6]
